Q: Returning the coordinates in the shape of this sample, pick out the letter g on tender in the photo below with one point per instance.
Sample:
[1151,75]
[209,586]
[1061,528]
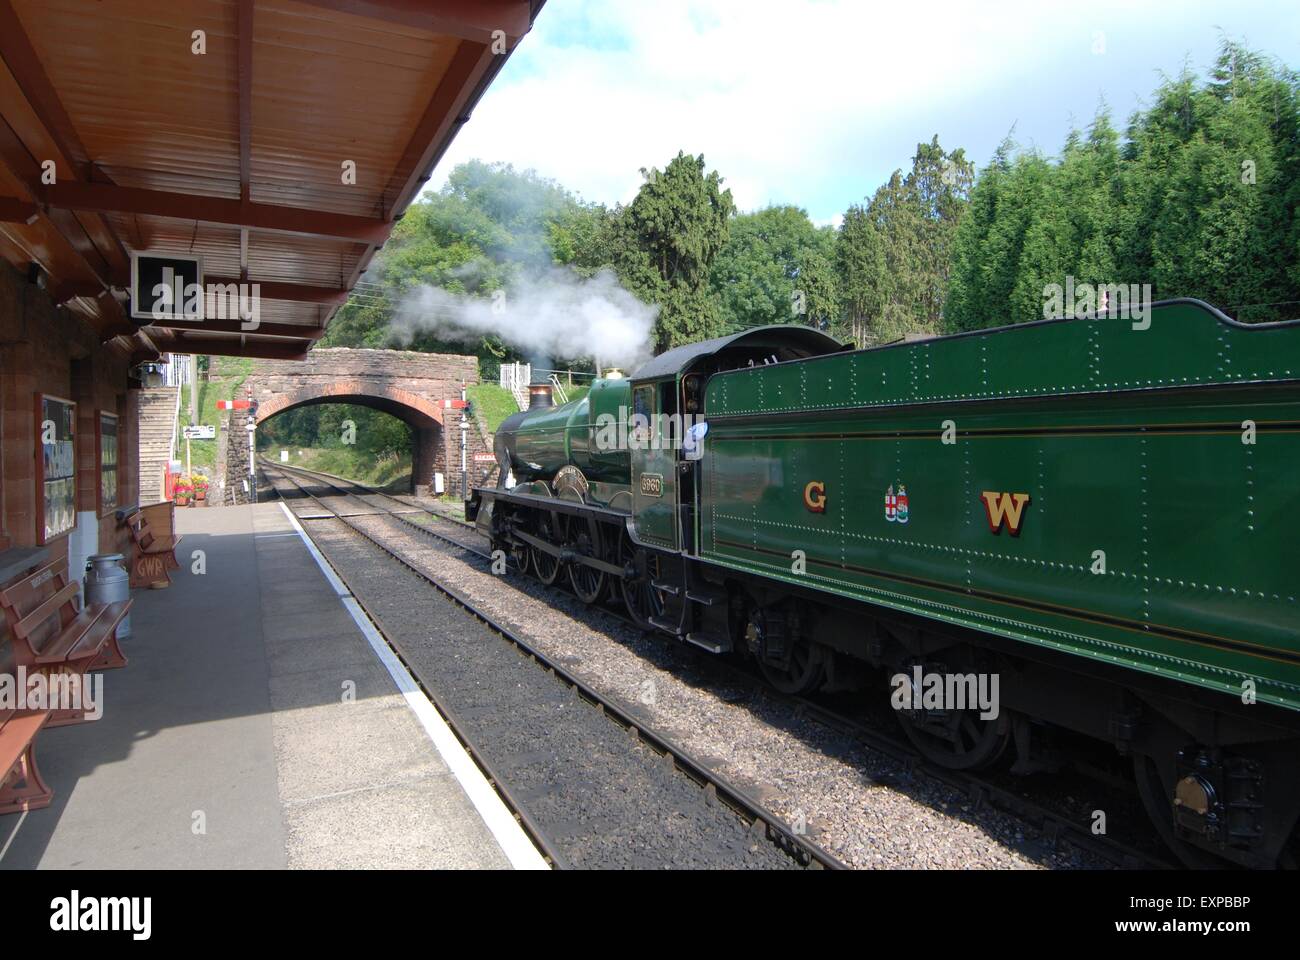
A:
[814,496]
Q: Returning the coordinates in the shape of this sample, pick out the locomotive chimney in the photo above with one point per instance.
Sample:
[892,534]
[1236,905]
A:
[539,396]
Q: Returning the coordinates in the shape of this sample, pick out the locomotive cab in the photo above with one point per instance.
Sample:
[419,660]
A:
[668,419]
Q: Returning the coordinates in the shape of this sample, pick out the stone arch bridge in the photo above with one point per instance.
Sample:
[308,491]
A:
[411,386]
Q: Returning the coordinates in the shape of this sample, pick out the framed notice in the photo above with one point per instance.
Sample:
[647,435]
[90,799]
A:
[107,462]
[56,485]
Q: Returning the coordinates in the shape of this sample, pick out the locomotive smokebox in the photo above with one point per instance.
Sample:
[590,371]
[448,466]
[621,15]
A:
[539,396]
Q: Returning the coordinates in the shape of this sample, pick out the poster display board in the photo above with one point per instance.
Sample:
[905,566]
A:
[56,487]
[107,463]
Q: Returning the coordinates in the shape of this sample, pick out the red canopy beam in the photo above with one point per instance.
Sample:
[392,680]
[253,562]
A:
[226,348]
[290,330]
[15,156]
[94,239]
[471,68]
[295,292]
[447,108]
[25,65]
[13,210]
[108,198]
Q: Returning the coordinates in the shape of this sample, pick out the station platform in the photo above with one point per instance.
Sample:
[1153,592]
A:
[228,741]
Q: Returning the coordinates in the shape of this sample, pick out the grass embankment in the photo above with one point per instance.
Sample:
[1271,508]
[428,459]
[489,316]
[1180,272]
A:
[393,470]
[576,392]
[224,383]
[493,403]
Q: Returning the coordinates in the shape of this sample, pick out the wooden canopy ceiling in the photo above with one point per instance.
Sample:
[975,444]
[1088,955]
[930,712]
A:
[226,128]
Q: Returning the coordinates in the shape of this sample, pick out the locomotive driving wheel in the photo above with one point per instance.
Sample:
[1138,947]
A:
[545,565]
[519,553]
[642,600]
[583,536]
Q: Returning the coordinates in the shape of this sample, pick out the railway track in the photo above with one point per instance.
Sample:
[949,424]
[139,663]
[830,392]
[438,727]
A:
[981,789]
[717,792]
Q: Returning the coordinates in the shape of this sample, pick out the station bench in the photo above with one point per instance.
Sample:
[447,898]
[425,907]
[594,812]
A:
[49,633]
[21,786]
[154,538]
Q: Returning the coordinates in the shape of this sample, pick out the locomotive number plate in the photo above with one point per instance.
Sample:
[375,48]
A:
[652,485]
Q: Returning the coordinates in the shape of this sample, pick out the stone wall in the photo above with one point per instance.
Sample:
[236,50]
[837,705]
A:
[234,447]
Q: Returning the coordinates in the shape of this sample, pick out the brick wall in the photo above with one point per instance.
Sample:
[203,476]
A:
[433,375]
[405,383]
[44,349]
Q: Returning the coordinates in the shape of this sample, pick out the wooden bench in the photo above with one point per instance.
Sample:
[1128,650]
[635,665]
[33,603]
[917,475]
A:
[47,631]
[153,534]
[21,786]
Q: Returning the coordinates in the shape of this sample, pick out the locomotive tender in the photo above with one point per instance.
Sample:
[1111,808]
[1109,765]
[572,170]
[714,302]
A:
[1102,515]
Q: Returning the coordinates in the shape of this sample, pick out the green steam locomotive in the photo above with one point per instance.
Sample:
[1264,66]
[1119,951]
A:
[1098,514]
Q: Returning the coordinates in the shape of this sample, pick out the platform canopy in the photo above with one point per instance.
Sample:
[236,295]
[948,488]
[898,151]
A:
[229,129]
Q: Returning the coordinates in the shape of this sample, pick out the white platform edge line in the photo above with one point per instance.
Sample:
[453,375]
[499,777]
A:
[514,843]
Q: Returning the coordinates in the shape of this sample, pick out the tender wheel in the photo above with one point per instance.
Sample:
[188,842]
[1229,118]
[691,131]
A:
[641,599]
[583,536]
[804,671]
[956,739]
[791,663]
[1151,784]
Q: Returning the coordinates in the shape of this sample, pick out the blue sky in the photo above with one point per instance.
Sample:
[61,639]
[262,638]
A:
[816,102]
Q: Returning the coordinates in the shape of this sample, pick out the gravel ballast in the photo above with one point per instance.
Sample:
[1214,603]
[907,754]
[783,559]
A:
[604,798]
[864,807]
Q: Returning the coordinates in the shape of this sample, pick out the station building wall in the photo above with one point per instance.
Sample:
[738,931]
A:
[46,349]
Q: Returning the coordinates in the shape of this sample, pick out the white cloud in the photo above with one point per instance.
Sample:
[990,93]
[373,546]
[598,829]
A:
[808,102]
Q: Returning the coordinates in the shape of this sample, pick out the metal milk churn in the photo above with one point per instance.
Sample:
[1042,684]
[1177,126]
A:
[108,582]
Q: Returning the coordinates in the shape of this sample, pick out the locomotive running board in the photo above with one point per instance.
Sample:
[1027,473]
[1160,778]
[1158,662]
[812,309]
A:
[553,504]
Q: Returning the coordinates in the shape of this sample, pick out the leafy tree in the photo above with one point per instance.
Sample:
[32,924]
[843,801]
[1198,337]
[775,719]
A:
[774,268]
[1200,200]
[818,283]
[1217,166]
[1071,230]
[894,253]
[667,240]
[585,237]
[488,227]
[863,278]
[320,425]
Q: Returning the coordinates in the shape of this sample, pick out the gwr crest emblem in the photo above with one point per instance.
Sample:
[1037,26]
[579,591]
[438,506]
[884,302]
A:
[896,506]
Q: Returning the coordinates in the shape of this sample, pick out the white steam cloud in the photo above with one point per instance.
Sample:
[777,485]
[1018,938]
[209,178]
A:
[560,315]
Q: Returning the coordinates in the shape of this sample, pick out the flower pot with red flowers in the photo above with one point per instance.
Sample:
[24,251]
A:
[184,490]
[200,483]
